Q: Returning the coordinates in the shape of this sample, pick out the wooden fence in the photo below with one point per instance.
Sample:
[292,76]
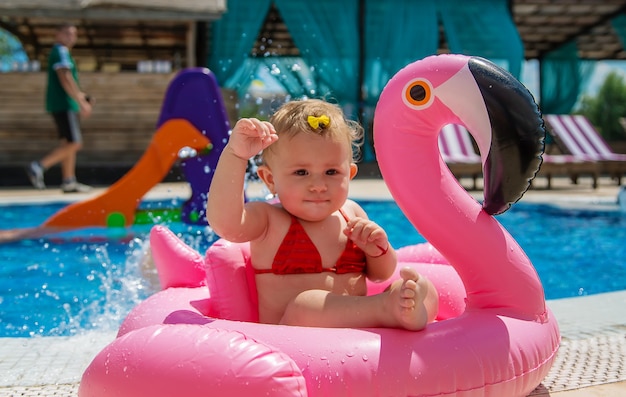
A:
[124,118]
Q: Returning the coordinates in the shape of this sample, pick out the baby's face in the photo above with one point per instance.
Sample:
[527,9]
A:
[311,174]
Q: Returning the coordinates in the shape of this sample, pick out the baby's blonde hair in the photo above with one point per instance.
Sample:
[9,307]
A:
[292,118]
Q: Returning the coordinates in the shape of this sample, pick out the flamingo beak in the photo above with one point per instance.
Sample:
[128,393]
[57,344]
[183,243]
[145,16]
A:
[506,124]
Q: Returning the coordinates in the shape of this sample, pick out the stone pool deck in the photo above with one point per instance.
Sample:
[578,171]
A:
[590,362]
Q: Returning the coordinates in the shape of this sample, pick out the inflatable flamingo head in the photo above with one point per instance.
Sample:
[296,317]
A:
[494,106]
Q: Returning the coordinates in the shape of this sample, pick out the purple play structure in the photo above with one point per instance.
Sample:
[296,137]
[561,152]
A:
[195,96]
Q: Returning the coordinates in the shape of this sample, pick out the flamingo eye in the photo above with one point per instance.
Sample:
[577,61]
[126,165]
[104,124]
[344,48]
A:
[418,94]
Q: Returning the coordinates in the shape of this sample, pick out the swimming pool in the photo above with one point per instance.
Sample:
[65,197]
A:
[90,279]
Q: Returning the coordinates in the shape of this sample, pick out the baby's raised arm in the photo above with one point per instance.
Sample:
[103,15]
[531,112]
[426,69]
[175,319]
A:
[225,207]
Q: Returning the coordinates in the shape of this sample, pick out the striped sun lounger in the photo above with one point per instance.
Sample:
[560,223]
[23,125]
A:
[576,136]
[457,150]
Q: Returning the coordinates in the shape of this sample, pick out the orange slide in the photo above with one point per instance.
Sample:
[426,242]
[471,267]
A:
[116,206]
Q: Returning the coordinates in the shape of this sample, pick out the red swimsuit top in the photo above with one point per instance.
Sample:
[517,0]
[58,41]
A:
[298,255]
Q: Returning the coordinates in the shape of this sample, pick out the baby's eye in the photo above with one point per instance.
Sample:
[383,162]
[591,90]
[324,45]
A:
[331,172]
[301,172]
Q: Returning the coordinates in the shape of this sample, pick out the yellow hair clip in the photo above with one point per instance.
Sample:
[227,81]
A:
[318,122]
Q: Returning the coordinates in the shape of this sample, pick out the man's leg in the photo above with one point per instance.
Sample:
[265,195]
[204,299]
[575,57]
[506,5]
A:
[58,155]
[69,128]
[65,154]
[68,162]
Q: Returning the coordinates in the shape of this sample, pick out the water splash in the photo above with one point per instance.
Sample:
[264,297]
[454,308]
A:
[122,286]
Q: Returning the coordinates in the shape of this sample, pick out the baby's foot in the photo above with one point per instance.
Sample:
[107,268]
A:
[406,297]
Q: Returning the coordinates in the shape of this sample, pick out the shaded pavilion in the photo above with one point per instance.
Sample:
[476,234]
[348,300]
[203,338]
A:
[565,36]
[192,32]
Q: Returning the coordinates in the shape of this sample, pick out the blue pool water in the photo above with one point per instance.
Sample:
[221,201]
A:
[91,278]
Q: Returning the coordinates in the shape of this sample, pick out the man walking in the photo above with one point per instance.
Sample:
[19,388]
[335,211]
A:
[65,102]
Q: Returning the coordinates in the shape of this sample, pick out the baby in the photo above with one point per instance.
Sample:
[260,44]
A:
[312,250]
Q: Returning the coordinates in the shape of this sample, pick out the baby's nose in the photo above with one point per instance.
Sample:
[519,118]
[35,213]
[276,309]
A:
[318,184]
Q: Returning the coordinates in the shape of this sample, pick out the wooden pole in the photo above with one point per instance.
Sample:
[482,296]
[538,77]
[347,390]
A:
[191,44]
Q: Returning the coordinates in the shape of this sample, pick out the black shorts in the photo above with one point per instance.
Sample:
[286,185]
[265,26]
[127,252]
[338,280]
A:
[68,126]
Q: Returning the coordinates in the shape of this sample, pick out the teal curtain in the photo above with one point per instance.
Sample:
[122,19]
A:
[293,74]
[233,37]
[241,77]
[483,28]
[326,33]
[396,34]
[619,26]
[563,76]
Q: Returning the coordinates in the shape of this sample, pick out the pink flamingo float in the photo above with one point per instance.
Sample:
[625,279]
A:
[494,335]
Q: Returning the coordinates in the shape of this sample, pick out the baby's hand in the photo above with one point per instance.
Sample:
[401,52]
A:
[250,136]
[368,236]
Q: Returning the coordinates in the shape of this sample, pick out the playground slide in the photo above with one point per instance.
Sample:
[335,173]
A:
[192,115]
[116,206]
[195,96]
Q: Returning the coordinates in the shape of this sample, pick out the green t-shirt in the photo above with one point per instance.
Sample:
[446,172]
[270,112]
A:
[57,100]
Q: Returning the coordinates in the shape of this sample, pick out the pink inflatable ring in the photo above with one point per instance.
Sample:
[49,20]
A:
[494,335]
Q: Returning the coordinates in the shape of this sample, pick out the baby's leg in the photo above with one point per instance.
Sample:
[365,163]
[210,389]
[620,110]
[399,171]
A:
[400,306]
[320,308]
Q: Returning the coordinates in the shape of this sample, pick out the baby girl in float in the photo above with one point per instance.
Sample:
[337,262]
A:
[313,250]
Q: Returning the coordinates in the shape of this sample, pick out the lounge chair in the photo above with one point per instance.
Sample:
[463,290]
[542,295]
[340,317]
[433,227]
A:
[457,150]
[577,137]
[567,164]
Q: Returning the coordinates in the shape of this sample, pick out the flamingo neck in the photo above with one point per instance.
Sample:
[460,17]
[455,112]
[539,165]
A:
[424,187]
[495,270]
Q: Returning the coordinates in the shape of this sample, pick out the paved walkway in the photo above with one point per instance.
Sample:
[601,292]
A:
[590,362]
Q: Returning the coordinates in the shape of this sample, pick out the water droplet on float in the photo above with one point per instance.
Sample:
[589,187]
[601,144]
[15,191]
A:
[365,358]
